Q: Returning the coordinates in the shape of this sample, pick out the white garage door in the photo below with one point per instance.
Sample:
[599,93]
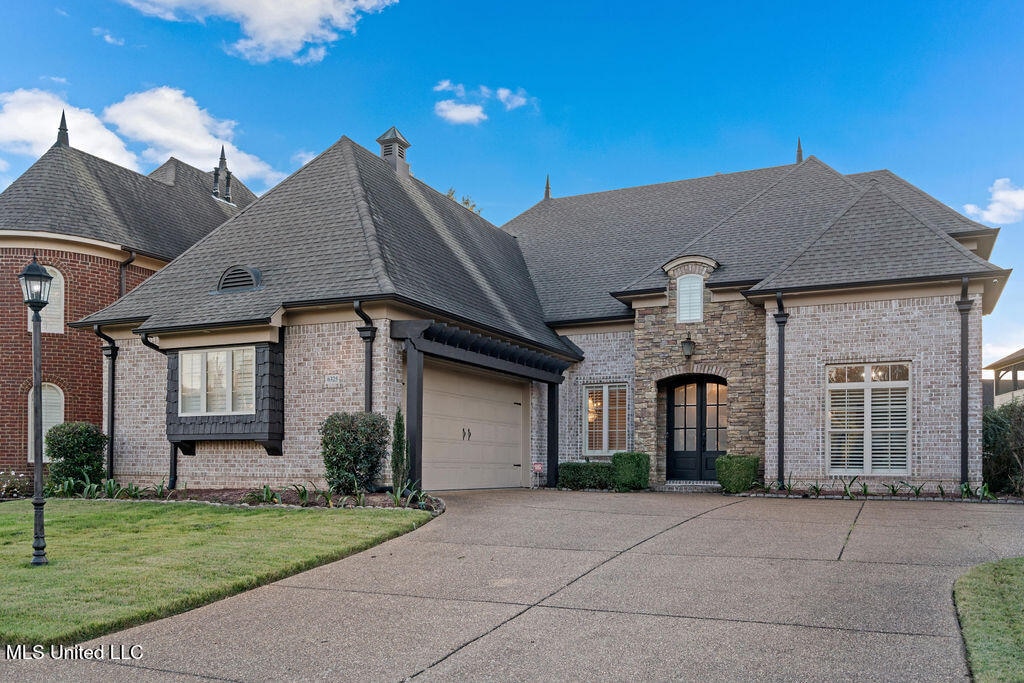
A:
[473,429]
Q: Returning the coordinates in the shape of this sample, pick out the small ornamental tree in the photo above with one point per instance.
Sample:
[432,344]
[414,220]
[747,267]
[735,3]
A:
[399,455]
[353,447]
[75,450]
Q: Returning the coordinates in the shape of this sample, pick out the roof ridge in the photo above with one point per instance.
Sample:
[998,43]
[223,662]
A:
[932,200]
[685,250]
[362,204]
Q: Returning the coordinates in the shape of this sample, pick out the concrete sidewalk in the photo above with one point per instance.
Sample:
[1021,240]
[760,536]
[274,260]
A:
[554,585]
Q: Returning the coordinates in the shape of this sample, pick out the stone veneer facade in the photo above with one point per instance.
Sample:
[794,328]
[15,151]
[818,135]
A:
[311,353]
[730,343]
[923,331]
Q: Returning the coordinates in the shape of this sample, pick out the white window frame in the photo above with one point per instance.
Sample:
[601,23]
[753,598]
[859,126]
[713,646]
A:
[60,393]
[203,353]
[604,450]
[867,386]
[53,313]
[694,288]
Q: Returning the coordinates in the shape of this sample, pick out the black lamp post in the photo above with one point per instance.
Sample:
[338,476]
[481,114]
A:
[35,287]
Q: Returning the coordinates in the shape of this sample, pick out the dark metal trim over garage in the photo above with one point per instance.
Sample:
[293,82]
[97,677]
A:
[463,346]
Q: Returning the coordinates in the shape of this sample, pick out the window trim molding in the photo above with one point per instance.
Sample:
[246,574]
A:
[867,385]
[605,386]
[203,377]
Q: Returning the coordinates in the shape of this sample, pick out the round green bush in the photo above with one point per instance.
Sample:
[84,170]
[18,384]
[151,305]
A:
[353,446]
[75,450]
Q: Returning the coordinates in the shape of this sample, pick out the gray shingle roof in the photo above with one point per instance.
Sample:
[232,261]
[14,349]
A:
[68,191]
[871,241]
[580,249]
[346,226]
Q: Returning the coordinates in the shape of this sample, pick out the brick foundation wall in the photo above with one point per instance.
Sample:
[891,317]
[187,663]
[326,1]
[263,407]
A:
[923,331]
[71,360]
[311,352]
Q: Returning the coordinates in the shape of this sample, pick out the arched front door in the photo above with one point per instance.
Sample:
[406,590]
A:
[698,426]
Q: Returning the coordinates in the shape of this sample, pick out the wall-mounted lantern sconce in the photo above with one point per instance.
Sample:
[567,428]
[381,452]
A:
[688,346]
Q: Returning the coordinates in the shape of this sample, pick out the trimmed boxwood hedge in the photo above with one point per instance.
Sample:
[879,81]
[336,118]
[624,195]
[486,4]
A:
[631,470]
[628,471]
[736,473]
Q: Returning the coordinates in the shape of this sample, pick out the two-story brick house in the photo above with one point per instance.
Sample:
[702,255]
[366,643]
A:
[828,323]
[99,229]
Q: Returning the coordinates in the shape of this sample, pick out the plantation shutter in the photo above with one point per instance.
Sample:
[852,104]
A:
[846,429]
[53,414]
[52,314]
[690,298]
[889,422]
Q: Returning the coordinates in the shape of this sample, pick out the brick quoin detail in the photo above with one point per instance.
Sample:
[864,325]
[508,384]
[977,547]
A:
[72,360]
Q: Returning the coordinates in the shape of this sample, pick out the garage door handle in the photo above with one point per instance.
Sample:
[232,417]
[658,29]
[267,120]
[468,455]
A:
[469,435]
[518,465]
[463,433]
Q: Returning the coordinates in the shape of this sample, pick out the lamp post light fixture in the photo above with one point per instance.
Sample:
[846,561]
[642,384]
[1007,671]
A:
[688,346]
[35,288]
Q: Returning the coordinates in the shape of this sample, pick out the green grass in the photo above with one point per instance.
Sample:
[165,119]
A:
[990,601]
[114,564]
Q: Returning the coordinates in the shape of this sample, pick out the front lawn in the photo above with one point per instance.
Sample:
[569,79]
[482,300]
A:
[990,601]
[115,564]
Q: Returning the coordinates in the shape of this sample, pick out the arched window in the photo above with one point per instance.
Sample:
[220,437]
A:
[53,414]
[689,298]
[53,313]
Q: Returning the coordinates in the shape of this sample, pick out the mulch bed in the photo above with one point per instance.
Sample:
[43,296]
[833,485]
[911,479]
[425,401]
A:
[238,496]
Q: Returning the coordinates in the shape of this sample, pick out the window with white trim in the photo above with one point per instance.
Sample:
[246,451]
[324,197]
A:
[53,414]
[869,418]
[605,428]
[689,298]
[53,313]
[217,381]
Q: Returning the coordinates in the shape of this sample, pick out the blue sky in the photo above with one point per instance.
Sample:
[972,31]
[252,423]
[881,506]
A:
[495,95]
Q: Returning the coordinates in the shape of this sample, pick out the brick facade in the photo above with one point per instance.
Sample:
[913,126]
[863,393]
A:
[70,360]
[312,353]
[922,331]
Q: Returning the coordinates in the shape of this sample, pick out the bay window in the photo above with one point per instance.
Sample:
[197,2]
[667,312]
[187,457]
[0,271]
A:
[217,382]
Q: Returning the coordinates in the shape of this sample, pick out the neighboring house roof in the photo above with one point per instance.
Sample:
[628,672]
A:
[581,249]
[346,226]
[70,192]
[1012,359]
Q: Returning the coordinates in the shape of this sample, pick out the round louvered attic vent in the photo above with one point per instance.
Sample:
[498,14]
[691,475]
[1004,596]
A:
[239,278]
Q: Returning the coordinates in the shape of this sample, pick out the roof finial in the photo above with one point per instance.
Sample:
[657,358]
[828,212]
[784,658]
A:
[799,151]
[223,157]
[62,131]
[547,187]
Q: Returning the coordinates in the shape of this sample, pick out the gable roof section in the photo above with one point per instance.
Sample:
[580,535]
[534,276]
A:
[345,226]
[921,203]
[580,248]
[70,192]
[875,240]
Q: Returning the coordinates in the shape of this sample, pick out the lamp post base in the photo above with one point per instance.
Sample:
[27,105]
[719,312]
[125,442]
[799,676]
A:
[39,541]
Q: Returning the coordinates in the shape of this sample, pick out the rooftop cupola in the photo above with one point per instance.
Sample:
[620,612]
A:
[62,131]
[221,171]
[392,150]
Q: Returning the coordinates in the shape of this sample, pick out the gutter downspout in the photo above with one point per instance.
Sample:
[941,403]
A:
[172,476]
[123,271]
[781,317]
[964,305]
[110,352]
[368,333]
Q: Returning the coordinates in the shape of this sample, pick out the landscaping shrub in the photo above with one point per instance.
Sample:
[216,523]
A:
[75,450]
[353,446]
[736,473]
[631,470]
[399,455]
[1003,448]
[585,475]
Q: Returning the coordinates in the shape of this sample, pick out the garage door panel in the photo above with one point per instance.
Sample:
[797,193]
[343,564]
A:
[490,452]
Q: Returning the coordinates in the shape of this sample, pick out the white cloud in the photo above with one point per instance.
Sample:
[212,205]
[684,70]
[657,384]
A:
[298,30]
[456,112]
[170,123]
[303,157]
[512,100]
[28,127]
[447,86]
[1006,204]
[107,36]
[4,165]
[60,80]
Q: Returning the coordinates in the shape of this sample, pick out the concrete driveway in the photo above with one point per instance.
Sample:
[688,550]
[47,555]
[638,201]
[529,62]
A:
[551,585]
